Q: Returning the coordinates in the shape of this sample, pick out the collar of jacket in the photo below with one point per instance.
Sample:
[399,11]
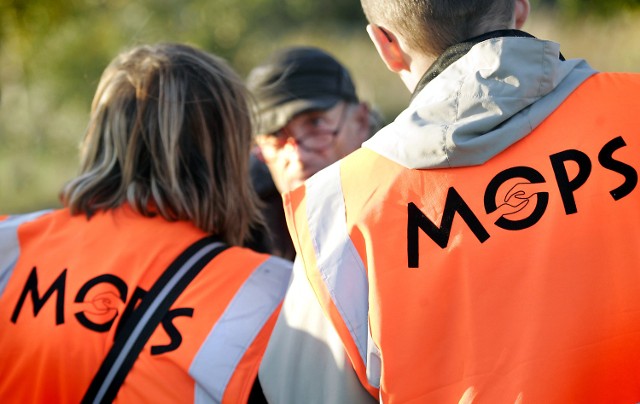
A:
[455,52]
[489,98]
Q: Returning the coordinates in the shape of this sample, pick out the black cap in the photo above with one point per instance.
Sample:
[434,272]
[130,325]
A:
[296,80]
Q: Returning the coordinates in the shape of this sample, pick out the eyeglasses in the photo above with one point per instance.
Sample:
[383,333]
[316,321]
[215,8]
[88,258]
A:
[311,131]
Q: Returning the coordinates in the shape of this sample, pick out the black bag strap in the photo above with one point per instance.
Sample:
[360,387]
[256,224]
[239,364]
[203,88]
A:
[145,318]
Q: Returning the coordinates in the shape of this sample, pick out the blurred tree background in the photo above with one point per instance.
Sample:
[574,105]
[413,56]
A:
[52,54]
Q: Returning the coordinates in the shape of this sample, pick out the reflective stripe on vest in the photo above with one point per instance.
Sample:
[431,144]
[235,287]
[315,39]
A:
[534,298]
[219,355]
[9,244]
[340,264]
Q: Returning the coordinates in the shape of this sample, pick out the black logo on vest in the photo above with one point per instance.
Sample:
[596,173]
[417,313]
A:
[525,191]
[100,299]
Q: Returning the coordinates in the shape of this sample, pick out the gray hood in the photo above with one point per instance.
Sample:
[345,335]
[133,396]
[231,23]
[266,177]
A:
[481,104]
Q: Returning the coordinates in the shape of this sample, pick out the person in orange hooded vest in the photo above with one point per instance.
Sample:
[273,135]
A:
[163,188]
[483,247]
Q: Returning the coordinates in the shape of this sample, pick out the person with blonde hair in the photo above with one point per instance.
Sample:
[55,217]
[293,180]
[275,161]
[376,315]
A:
[137,290]
[483,247]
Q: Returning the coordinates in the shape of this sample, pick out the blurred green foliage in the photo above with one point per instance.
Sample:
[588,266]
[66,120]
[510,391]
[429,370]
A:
[52,54]
[602,8]
[75,39]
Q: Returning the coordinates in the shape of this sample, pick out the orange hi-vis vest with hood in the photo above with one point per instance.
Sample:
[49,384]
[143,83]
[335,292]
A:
[66,282]
[513,281]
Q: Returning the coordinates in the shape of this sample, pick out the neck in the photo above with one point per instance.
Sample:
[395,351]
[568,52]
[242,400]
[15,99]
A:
[455,52]
[418,65]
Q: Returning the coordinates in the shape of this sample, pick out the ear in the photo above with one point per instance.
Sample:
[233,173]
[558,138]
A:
[521,12]
[388,48]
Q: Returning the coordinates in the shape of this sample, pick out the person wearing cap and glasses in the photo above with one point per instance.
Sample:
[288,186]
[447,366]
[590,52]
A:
[309,116]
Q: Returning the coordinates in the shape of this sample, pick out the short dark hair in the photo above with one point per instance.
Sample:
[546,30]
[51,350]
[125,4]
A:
[431,26]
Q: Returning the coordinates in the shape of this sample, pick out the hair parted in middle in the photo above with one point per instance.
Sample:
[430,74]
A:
[431,26]
[170,135]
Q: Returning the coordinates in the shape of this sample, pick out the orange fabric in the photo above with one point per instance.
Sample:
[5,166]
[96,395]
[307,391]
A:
[42,361]
[548,313]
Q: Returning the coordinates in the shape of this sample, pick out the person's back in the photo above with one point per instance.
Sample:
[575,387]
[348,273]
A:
[75,280]
[71,278]
[488,236]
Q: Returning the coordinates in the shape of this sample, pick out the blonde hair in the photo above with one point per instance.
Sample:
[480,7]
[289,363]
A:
[170,135]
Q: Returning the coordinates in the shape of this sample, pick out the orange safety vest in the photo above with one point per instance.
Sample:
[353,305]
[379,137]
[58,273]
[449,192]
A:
[65,283]
[514,281]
